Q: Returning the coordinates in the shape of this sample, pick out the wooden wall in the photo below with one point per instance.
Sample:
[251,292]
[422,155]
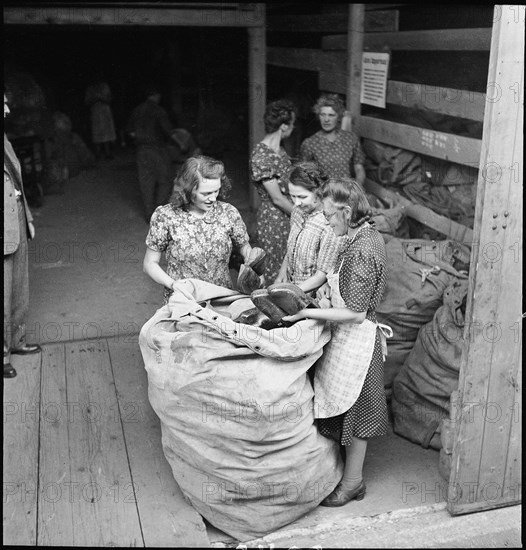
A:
[345,32]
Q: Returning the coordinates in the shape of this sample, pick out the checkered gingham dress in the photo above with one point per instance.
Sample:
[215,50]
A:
[362,279]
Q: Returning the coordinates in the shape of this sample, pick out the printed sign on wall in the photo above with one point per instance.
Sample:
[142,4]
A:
[374,78]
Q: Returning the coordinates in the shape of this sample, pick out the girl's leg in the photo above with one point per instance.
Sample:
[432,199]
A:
[354,459]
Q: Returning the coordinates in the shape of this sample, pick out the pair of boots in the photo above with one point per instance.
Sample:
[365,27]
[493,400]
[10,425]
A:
[249,278]
[274,303]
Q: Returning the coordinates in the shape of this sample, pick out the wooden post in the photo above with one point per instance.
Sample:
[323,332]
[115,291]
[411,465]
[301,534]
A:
[256,91]
[354,62]
[486,465]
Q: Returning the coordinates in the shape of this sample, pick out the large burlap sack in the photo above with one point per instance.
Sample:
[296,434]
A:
[407,304]
[236,411]
[422,388]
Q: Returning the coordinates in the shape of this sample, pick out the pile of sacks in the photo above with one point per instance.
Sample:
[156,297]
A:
[418,273]
[429,375]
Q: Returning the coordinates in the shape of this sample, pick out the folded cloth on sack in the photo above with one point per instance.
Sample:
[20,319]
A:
[237,411]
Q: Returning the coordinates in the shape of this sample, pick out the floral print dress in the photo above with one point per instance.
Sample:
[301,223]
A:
[197,248]
[272,224]
[337,157]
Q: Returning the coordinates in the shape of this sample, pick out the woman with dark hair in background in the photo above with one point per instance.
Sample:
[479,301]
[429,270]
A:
[270,165]
[195,230]
[312,245]
[349,397]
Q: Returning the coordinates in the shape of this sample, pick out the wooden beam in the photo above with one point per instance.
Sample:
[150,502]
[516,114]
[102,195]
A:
[307,59]
[487,450]
[381,21]
[447,101]
[421,213]
[220,16]
[355,36]
[450,147]
[257,98]
[328,23]
[441,39]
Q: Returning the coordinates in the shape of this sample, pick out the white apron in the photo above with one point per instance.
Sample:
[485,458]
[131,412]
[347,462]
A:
[341,371]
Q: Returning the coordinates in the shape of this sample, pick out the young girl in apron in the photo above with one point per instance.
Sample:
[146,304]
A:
[349,396]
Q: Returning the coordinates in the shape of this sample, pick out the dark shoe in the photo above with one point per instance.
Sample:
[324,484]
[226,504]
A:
[9,370]
[256,260]
[27,349]
[255,318]
[340,497]
[263,302]
[248,280]
[290,298]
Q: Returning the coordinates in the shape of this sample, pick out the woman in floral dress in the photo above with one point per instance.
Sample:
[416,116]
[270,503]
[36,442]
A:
[195,230]
[312,246]
[270,165]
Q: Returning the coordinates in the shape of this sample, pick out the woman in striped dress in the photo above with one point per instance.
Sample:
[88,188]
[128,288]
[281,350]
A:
[312,245]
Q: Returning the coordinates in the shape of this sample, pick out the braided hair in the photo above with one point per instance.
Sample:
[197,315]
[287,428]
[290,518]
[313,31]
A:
[310,175]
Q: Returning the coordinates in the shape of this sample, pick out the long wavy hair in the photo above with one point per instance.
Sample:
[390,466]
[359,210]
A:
[346,193]
[190,176]
[310,175]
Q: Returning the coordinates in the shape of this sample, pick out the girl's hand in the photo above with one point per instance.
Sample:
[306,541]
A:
[292,318]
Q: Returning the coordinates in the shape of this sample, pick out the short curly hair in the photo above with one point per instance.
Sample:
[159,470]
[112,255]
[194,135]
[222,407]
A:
[330,100]
[277,113]
[190,175]
[310,175]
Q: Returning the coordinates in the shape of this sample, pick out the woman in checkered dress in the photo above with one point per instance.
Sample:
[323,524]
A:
[349,392]
[312,246]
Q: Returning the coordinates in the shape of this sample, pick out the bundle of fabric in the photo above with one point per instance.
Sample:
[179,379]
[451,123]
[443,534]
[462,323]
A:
[418,272]
[437,198]
[390,222]
[69,146]
[391,165]
[422,388]
[236,410]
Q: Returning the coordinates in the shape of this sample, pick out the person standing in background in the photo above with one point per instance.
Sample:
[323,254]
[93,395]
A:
[337,151]
[150,128]
[18,227]
[269,166]
[98,97]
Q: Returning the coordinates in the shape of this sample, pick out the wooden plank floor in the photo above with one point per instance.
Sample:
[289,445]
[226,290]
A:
[83,460]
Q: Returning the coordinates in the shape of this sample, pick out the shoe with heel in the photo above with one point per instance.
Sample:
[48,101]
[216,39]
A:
[341,496]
